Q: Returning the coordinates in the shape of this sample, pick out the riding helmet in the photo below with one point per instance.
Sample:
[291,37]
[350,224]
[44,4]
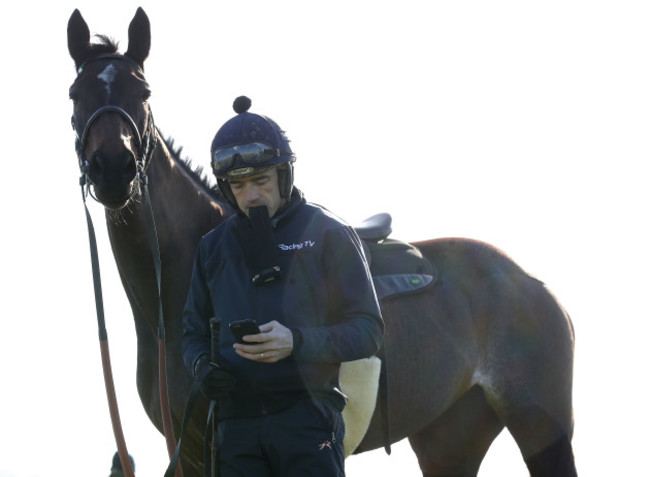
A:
[248,144]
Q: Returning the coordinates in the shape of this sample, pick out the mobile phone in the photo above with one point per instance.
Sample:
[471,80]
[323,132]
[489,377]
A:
[242,328]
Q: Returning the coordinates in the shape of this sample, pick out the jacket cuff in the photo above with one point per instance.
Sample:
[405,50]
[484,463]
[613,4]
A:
[297,341]
[198,363]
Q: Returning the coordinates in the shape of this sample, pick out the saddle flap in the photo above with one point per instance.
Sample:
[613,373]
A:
[399,268]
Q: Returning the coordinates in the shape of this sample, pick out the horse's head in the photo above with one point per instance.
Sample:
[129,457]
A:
[111,116]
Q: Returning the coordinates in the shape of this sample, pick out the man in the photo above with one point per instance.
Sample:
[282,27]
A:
[300,273]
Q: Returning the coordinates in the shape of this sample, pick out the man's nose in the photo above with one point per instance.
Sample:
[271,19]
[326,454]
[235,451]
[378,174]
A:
[251,193]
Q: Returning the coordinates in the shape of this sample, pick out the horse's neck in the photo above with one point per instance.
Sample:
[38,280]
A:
[183,211]
[183,206]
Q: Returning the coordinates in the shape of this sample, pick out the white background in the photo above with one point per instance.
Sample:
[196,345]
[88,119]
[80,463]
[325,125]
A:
[523,124]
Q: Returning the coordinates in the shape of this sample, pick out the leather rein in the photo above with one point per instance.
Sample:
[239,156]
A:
[147,143]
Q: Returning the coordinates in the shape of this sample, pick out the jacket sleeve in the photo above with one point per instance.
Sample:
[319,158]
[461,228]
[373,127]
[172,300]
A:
[355,327]
[198,309]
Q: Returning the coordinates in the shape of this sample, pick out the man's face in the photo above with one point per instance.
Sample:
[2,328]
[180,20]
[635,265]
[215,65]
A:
[257,190]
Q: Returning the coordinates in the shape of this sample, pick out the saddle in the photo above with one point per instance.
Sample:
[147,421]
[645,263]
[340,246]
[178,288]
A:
[397,268]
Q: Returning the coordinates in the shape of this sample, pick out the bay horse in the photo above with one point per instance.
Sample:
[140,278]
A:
[487,346]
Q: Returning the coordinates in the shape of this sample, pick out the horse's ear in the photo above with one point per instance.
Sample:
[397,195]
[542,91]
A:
[139,37]
[78,38]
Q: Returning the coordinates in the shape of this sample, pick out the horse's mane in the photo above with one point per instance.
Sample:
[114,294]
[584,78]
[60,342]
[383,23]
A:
[104,44]
[202,179]
[101,45]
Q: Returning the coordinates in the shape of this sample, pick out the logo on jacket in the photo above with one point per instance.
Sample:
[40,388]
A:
[297,246]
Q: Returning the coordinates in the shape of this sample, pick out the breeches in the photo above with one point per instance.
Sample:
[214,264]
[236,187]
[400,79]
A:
[303,441]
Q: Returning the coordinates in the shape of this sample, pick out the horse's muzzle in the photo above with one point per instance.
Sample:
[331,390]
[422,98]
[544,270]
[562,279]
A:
[113,178]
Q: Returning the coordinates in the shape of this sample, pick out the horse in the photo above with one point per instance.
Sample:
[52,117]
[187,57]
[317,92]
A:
[483,347]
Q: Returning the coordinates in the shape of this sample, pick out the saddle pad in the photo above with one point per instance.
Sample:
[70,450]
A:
[360,383]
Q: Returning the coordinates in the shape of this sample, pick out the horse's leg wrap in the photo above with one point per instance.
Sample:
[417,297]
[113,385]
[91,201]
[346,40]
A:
[555,460]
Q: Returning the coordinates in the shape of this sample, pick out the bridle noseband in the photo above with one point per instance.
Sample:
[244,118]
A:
[147,141]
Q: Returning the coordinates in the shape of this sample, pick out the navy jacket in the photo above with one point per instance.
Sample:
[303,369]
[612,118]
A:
[325,296]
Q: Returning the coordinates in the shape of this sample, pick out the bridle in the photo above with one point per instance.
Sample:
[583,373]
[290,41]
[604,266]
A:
[146,143]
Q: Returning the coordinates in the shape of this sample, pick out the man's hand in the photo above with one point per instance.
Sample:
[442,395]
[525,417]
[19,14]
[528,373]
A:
[275,342]
[217,384]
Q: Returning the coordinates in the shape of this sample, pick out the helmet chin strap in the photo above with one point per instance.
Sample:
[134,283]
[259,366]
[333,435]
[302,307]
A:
[225,189]
[285,180]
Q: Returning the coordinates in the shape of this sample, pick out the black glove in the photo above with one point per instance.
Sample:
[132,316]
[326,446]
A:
[217,383]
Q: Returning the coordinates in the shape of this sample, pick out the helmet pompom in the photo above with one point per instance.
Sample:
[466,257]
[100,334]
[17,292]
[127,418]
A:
[241,104]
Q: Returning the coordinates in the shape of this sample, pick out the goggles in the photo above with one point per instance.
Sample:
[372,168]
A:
[251,154]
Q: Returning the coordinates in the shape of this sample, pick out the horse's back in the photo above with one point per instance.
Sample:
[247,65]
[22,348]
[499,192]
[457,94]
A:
[467,261]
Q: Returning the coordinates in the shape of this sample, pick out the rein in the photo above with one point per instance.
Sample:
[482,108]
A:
[103,344]
[146,144]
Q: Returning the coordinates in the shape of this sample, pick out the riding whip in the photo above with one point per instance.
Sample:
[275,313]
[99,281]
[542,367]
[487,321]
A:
[210,461]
